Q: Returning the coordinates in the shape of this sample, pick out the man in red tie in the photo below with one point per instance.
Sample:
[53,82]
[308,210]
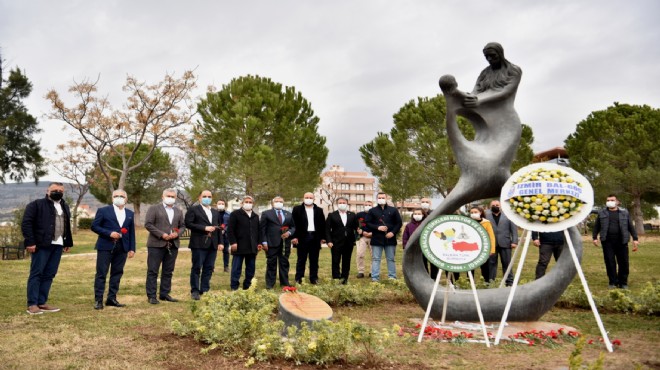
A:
[277,226]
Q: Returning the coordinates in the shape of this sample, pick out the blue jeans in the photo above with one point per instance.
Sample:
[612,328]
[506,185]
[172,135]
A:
[43,268]
[237,266]
[377,251]
[203,259]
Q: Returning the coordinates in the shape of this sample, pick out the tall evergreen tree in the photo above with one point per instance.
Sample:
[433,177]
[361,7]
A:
[260,138]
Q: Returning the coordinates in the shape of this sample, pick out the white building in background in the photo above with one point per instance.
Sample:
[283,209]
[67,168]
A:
[357,187]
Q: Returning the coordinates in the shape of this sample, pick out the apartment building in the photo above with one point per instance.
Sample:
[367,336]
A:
[357,187]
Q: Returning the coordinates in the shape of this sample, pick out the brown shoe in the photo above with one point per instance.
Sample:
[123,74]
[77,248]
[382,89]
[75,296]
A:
[34,310]
[47,308]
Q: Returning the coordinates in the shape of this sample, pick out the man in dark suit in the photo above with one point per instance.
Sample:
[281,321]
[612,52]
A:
[116,229]
[203,223]
[46,228]
[243,234]
[277,226]
[309,235]
[221,206]
[385,223]
[341,229]
[506,234]
[164,223]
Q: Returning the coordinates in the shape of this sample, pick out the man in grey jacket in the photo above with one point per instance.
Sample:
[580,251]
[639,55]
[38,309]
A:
[506,234]
[615,228]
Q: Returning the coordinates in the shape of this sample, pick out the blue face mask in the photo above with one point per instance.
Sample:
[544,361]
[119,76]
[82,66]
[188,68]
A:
[206,201]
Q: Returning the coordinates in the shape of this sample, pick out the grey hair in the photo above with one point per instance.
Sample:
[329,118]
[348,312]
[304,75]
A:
[169,190]
[246,197]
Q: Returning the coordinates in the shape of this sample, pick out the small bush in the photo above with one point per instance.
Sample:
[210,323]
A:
[85,223]
[647,302]
[336,294]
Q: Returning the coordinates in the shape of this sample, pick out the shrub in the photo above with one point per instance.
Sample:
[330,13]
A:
[85,223]
[336,294]
[243,323]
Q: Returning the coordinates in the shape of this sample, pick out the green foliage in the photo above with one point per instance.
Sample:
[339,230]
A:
[257,137]
[19,152]
[416,158]
[12,235]
[336,294]
[647,302]
[85,223]
[143,184]
[575,361]
[243,322]
[618,151]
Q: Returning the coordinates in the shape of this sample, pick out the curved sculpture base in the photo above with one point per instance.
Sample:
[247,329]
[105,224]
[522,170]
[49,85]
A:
[530,302]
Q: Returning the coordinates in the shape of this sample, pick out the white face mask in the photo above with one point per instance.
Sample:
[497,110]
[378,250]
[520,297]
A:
[382,201]
[367,208]
[118,201]
[610,204]
[247,206]
[308,202]
[342,207]
[426,205]
[278,205]
[418,217]
[221,207]
[169,201]
[475,216]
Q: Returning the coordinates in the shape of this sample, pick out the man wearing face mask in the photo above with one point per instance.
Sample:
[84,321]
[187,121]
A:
[364,243]
[46,228]
[277,226]
[385,221]
[341,228]
[165,223]
[309,235]
[615,228]
[425,204]
[221,205]
[203,223]
[244,242]
[115,227]
[506,235]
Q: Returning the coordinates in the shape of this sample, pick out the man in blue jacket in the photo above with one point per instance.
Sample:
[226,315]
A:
[115,227]
[46,228]
[385,222]
[615,228]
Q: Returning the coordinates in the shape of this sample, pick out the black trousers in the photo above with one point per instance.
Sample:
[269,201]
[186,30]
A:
[277,257]
[155,258]
[505,258]
[113,261]
[546,251]
[203,261]
[308,246]
[341,254]
[430,268]
[616,253]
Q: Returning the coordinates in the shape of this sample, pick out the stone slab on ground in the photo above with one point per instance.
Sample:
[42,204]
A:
[296,307]
[511,328]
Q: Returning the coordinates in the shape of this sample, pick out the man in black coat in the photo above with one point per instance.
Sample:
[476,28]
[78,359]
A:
[203,222]
[385,222]
[243,234]
[46,228]
[309,235]
[550,244]
[277,226]
[341,229]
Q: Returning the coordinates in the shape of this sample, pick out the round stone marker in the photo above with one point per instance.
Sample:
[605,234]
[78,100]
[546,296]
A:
[295,308]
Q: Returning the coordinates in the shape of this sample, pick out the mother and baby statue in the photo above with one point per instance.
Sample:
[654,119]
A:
[485,164]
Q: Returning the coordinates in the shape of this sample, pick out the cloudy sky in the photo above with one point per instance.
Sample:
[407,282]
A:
[358,62]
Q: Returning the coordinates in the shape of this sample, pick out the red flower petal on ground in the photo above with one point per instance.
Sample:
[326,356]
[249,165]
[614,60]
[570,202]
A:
[616,342]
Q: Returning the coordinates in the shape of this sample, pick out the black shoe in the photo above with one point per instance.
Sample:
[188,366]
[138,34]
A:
[168,298]
[344,281]
[360,275]
[298,281]
[113,302]
[226,269]
[153,300]
[195,296]
[314,282]
[98,305]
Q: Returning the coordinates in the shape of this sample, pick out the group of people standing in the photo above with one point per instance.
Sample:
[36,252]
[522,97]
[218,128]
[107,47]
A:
[242,234]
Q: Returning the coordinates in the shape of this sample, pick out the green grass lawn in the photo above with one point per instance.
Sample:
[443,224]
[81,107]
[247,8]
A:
[138,335]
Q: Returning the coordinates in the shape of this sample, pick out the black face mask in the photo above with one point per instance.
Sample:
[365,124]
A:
[56,195]
[495,209]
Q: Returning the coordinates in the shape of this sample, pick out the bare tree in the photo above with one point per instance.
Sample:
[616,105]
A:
[330,189]
[75,162]
[157,115]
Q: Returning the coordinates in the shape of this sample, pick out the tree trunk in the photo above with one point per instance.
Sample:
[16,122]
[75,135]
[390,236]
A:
[136,210]
[74,213]
[637,214]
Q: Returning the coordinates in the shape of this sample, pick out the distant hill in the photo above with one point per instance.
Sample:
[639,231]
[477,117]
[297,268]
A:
[13,196]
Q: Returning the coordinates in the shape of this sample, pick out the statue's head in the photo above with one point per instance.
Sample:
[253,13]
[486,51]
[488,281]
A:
[494,53]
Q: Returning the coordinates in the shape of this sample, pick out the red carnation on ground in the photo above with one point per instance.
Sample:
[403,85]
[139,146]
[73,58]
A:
[289,289]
